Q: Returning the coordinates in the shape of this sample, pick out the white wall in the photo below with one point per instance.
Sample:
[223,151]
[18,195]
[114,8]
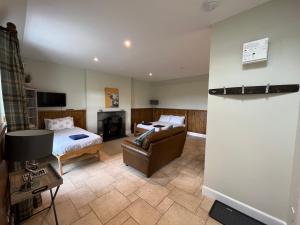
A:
[96,82]
[58,78]
[187,93]
[14,11]
[184,93]
[251,139]
[141,94]
[295,187]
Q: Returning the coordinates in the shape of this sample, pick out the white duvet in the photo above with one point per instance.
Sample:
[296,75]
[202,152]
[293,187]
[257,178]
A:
[63,143]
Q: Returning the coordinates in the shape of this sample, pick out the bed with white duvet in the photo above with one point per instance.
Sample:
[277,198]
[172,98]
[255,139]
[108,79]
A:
[70,141]
[165,122]
[63,144]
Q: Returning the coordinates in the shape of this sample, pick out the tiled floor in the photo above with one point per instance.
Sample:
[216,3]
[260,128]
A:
[108,192]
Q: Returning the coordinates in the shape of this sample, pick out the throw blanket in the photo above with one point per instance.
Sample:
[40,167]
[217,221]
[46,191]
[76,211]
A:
[78,136]
[139,141]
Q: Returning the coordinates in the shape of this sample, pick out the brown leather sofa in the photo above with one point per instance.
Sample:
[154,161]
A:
[157,150]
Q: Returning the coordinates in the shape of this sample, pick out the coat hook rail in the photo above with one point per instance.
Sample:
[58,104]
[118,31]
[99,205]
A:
[248,90]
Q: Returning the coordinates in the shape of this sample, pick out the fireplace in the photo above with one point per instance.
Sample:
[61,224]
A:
[111,125]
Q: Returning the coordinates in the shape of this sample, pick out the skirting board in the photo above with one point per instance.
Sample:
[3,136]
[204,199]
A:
[196,134]
[242,207]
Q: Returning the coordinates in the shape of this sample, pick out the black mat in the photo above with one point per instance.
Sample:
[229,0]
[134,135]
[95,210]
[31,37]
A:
[158,126]
[147,123]
[229,216]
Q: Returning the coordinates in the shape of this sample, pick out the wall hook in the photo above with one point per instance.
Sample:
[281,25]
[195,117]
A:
[267,88]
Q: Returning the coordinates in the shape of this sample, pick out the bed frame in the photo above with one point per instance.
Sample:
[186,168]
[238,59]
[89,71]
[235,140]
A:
[79,117]
[138,131]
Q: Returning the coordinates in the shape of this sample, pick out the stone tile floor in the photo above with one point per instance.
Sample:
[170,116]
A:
[108,192]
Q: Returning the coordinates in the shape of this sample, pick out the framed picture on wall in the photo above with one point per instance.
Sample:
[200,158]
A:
[111,97]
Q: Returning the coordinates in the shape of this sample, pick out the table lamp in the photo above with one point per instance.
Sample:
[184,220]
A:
[28,146]
[154,102]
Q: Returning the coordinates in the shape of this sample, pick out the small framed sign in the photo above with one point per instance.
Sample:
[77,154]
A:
[255,51]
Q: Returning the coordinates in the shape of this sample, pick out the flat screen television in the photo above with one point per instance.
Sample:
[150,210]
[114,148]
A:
[48,99]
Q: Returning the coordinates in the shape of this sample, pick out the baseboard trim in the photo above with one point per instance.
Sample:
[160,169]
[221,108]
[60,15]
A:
[242,207]
[196,134]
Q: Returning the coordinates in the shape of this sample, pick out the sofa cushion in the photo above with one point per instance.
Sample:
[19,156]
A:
[139,140]
[177,130]
[157,136]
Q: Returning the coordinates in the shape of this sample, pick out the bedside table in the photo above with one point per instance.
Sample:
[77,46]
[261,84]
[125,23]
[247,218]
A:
[45,183]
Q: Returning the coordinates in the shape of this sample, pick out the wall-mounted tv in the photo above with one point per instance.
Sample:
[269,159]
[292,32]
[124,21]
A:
[48,99]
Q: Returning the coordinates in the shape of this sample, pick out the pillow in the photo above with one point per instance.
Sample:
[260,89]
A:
[59,123]
[164,118]
[177,119]
[139,141]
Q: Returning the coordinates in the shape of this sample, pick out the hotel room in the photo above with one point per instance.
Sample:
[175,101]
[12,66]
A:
[149,112]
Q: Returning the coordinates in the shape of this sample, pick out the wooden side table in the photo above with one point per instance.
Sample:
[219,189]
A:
[45,183]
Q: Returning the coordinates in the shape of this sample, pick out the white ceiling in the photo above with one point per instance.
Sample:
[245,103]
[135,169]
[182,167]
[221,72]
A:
[170,38]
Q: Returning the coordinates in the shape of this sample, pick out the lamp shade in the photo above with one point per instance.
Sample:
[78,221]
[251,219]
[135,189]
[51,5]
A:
[27,145]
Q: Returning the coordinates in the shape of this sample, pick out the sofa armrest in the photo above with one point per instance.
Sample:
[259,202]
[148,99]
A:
[133,147]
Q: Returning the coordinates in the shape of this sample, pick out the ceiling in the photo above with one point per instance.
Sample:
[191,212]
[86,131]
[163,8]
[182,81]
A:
[170,38]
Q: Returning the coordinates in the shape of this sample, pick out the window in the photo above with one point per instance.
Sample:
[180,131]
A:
[2,113]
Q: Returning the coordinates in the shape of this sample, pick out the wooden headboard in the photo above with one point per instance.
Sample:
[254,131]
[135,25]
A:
[79,117]
[175,112]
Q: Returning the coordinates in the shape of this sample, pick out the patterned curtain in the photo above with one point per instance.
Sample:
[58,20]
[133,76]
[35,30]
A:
[12,80]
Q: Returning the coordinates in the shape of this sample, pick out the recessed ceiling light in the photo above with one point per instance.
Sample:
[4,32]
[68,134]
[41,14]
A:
[96,59]
[150,74]
[127,43]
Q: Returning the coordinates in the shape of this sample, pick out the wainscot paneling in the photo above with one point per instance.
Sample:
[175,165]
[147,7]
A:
[196,119]
[157,112]
[79,117]
[3,180]
[141,114]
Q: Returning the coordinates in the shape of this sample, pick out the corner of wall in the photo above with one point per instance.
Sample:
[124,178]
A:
[294,217]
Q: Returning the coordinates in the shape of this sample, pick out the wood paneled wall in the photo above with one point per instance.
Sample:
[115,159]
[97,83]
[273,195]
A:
[196,119]
[3,180]
[175,112]
[79,117]
[141,114]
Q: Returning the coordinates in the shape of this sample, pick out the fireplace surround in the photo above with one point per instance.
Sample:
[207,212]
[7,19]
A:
[111,124]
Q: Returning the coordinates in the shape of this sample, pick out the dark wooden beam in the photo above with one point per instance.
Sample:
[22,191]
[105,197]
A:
[248,90]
